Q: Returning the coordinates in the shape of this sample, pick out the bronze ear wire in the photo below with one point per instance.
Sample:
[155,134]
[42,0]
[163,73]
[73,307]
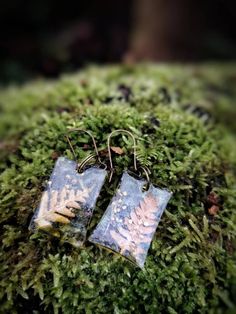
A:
[86,160]
[112,169]
[146,171]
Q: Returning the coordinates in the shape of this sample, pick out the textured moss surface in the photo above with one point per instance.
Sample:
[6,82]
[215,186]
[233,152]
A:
[184,120]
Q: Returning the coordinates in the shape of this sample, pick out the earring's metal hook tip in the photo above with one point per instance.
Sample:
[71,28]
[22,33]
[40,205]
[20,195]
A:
[109,147]
[111,174]
[93,140]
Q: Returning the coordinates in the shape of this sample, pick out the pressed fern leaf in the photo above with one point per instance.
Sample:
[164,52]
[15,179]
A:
[67,203]
[59,206]
[129,223]
[139,227]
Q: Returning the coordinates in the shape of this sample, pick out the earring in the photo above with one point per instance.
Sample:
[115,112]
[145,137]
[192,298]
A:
[130,221]
[67,203]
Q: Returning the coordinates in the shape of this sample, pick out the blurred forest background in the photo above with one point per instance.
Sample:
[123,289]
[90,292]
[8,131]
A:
[45,38]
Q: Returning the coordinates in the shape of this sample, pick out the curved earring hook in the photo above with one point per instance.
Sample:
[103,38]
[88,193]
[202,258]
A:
[147,172]
[93,139]
[109,149]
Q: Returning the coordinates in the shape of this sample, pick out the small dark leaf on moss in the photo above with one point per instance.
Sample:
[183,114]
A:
[55,155]
[125,91]
[108,99]
[155,121]
[199,111]
[164,95]
[213,198]
[88,101]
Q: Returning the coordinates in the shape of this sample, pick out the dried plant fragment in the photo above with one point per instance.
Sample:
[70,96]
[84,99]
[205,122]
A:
[59,206]
[139,228]
[117,150]
[213,210]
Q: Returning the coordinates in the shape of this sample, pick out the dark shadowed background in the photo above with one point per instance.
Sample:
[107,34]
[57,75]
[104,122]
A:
[45,38]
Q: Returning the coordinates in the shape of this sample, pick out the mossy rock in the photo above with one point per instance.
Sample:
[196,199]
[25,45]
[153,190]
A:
[184,122]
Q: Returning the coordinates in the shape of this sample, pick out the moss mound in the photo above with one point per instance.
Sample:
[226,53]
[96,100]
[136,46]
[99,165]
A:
[183,120]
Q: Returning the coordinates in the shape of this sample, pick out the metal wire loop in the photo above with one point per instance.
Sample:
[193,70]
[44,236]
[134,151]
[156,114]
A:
[147,172]
[109,150]
[87,159]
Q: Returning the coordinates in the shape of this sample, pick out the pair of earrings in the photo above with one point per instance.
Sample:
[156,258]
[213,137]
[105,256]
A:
[128,224]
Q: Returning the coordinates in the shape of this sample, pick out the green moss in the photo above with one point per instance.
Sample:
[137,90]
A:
[183,118]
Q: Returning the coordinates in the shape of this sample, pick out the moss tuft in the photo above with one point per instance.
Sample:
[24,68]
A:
[183,120]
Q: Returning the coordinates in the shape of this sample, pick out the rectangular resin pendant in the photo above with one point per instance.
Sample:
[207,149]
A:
[67,203]
[130,221]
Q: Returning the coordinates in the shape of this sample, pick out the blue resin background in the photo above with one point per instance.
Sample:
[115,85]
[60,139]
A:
[117,219]
[67,185]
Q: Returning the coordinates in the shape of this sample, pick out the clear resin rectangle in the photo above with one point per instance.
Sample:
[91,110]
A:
[130,221]
[67,203]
